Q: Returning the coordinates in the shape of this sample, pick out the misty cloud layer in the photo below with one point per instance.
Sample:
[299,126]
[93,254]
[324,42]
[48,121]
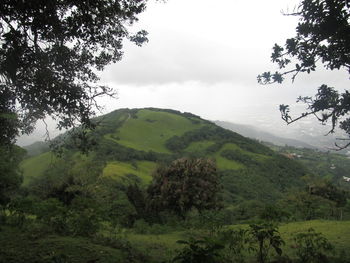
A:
[203,56]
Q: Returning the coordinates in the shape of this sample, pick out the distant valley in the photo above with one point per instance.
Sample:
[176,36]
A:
[261,135]
[304,135]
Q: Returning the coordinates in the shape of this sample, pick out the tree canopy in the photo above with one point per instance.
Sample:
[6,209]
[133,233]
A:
[49,57]
[10,174]
[322,37]
[185,184]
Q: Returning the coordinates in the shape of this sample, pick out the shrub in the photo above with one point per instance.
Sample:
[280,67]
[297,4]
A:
[237,242]
[266,235]
[204,250]
[83,217]
[311,247]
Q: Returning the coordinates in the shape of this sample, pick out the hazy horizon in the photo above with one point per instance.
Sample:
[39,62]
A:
[203,57]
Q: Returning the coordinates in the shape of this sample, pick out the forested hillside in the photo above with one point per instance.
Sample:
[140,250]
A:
[329,165]
[148,172]
[129,144]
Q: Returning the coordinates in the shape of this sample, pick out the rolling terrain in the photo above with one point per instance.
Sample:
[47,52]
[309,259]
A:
[261,135]
[130,144]
[93,207]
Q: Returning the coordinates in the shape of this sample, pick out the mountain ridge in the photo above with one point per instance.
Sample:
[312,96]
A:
[131,143]
[262,135]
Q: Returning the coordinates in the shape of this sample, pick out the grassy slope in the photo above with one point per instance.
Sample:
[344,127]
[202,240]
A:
[163,246]
[157,247]
[198,146]
[223,163]
[143,170]
[337,232]
[36,166]
[20,246]
[151,129]
[157,127]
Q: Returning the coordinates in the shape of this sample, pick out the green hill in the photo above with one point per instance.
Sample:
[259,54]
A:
[36,166]
[37,148]
[150,130]
[98,207]
[131,142]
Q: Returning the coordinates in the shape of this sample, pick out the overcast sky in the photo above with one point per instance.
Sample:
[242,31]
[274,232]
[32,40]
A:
[203,56]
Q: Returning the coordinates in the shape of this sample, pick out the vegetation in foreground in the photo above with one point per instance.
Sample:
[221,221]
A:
[128,203]
[307,241]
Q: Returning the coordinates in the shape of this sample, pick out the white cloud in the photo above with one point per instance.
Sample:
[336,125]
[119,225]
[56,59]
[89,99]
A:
[203,40]
[204,56]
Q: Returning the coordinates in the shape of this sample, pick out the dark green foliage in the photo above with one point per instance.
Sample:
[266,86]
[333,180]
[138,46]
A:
[138,198]
[76,139]
[50,53]
[18,246]
[66,178]
[10,176]
[237,243]
[145,228]
[215,147]
[110,122]
[303,206]
[204,250]
[217,134]
[247,184]
[121,213]
[55,185]
[312,247]
[320,199]
[185,114]
[208,221]
[84,217]
[274,213]
[263,180]
[176,144]
[284,172]
[109,150]
[113,203]
[18,209]
[52,213]
[185,184]
[322,35]
[330,164]
[239,156]
[81,139]
[81,218]
[324,181]
[61,258]
[246,210]
[266,236]
[329,191]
